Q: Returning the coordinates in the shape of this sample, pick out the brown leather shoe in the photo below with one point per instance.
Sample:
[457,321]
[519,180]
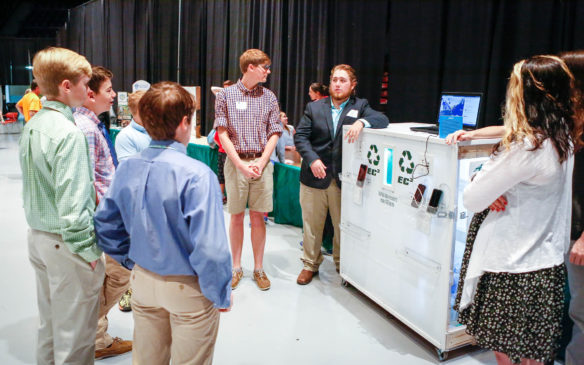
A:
[118,347]
[236,276]
[305,276]
[261,279]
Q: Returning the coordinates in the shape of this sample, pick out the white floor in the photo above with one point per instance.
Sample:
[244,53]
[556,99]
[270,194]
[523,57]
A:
[323,322]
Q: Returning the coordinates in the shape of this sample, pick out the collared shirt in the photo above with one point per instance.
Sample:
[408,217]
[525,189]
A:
[131,140]
[171,206]
[57,179]
[336,114]
[99,152]
[29,102]
[250,116]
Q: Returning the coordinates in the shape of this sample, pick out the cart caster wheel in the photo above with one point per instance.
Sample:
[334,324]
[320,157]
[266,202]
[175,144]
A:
[442,355]
[345,283]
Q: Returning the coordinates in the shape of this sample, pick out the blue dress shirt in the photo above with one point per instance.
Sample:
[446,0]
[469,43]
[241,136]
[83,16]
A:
[131,140]
[171,207]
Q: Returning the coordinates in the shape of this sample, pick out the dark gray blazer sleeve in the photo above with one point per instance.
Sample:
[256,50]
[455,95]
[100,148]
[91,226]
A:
[377,119]
[302,136]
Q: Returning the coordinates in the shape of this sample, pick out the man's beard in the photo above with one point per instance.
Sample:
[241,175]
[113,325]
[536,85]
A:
[340,96]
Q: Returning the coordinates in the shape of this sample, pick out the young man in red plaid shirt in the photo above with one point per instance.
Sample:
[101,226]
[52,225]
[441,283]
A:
[100,97]
[248,125]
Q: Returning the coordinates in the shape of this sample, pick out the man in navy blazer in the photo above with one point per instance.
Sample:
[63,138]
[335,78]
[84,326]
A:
[318,139]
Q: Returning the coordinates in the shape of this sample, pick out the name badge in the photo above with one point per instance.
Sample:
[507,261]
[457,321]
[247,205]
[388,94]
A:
[353,113]
[241,105]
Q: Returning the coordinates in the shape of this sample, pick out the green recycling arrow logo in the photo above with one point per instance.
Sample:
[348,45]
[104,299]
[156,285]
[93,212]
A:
[373,155]
[406,166]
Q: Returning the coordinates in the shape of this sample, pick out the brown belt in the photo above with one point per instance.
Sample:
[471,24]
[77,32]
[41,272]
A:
[249,155]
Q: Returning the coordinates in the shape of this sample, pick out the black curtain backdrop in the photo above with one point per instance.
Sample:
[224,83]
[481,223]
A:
[459,45]
[15,55]
[427,46]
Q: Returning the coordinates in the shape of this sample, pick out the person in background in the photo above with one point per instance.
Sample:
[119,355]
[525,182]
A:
[30,103]
[317,91]
[286,141]
[131,140]
[508,267]
[59,202]
[246,118]
[134,138]
[117,278]
[574,259]
[319,140]
[170,206]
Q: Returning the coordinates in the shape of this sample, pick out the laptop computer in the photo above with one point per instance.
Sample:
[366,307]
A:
[465,105]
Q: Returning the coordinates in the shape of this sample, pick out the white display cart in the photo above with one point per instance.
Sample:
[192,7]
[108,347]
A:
[403,257]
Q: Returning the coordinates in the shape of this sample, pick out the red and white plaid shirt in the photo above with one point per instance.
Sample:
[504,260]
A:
[99,152]
[250,116]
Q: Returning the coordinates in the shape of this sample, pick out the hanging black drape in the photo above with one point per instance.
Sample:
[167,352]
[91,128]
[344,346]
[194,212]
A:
[460,45]
[15,55]
[426,46]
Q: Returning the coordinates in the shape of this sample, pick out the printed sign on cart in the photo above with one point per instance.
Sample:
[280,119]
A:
[374,159]
[406,167]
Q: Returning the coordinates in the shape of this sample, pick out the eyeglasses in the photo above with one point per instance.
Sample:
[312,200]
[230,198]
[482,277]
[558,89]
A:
[266,67]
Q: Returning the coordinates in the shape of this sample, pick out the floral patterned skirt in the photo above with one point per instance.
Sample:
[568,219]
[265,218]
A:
[519,315]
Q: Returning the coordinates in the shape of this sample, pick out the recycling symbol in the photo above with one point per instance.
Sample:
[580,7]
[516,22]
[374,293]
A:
[373,155]
[406,166]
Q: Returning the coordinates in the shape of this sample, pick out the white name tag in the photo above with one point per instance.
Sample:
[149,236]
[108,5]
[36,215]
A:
[353,113]
[241,105]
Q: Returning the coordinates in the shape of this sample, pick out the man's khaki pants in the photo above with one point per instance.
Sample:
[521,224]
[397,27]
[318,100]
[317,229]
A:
[67,294]
[115,283]
[172,319]
[315,203]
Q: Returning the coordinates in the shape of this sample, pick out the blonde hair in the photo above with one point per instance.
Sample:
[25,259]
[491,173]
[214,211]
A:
[134,100]
[52,65]
[541,103]
[514,118]
[252,57]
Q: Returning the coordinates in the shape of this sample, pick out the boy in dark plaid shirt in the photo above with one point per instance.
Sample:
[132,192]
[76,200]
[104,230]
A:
[247,121]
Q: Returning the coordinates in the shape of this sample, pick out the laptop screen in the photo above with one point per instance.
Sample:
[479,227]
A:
[465,106]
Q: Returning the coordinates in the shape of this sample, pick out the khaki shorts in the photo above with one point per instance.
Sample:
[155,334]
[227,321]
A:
[242,192]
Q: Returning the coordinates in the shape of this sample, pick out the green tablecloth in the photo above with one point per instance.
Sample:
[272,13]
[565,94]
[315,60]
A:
[287,195]
[286,183]
[204,154]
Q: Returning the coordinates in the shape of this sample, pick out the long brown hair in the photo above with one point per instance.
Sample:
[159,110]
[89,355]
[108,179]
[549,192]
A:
[542,103]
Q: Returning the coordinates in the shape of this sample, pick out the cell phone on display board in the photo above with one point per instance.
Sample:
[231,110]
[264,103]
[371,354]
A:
[361,176]
[418,195]
[434,201]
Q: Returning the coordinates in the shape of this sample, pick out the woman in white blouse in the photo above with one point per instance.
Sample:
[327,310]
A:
[512,295]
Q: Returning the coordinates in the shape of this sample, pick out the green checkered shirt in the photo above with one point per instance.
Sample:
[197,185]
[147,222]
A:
[58,190]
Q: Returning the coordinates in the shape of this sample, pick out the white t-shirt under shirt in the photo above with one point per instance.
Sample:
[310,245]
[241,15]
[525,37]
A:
[533,232]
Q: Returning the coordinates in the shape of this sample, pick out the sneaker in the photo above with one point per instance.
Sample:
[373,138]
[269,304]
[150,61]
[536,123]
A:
[261,279]
[236,276]
[124,304]
[118,347]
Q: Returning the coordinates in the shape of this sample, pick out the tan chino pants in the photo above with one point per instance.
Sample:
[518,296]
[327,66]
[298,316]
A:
[115,283]
[172,320]
[67,294]
[315,203]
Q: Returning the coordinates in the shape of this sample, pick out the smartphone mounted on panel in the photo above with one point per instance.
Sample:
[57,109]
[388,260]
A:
[434,201]
[419,194]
